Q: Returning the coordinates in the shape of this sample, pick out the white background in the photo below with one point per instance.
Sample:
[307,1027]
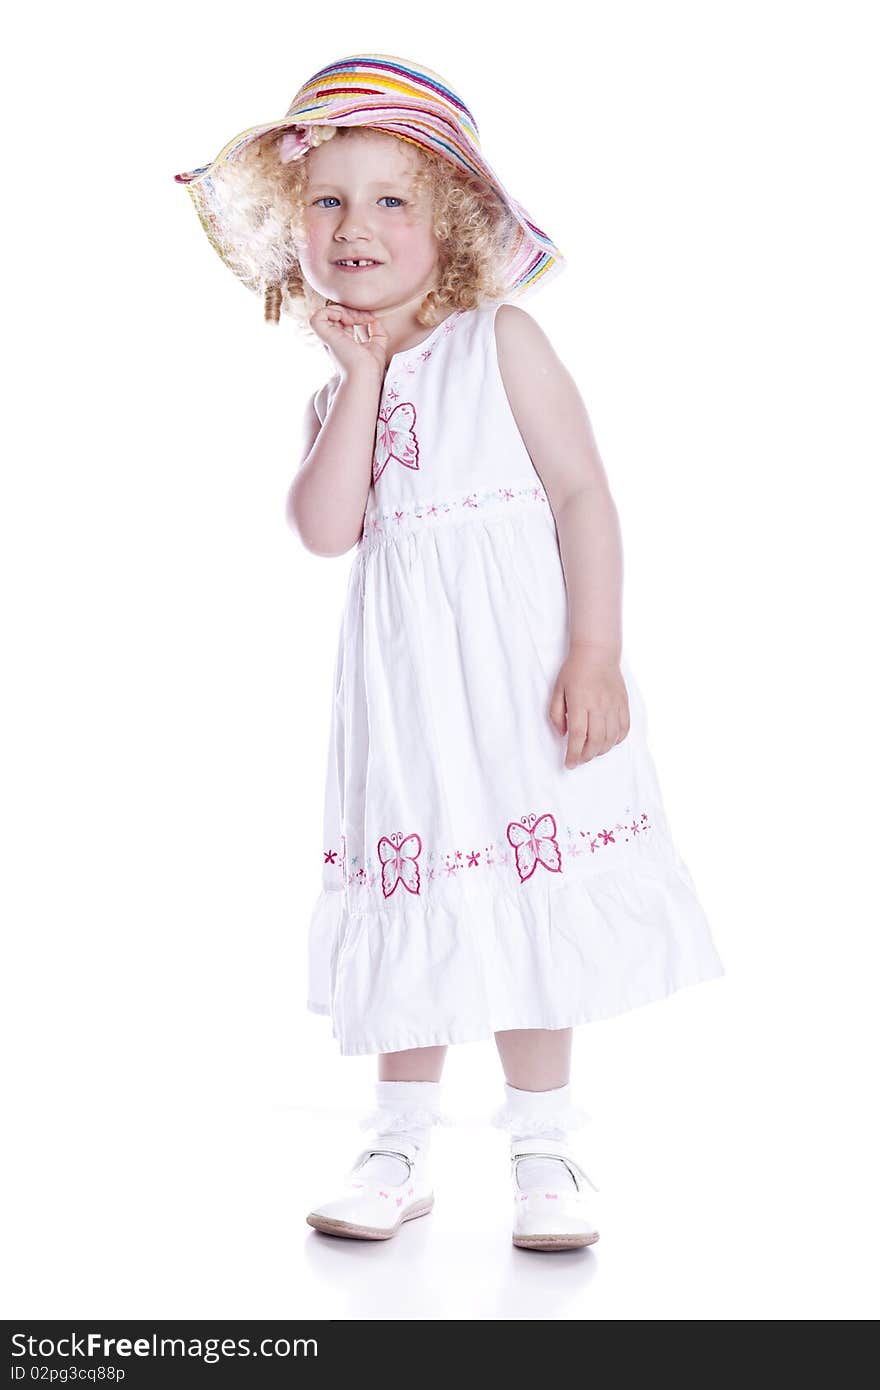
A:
[710,172]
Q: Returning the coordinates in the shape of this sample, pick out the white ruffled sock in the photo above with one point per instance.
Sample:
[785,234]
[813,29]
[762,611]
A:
[404,1110]
[545,1115]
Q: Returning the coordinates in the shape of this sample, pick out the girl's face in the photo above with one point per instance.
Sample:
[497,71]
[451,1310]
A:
[359,206]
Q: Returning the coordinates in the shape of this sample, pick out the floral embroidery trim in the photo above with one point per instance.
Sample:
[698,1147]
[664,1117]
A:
[410,365]
[387,522]
[493,858]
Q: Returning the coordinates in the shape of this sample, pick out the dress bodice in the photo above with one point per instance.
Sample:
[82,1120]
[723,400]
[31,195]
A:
[447,446]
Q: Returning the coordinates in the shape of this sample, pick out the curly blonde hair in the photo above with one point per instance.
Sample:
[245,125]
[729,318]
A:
[264,204]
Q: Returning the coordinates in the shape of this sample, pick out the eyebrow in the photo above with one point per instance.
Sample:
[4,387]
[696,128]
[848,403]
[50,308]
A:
[379,183]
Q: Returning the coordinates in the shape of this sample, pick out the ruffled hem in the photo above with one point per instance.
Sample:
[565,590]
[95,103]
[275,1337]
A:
[452,1036]
[323,943]
[565,1118]
[397,1121]
[469,963]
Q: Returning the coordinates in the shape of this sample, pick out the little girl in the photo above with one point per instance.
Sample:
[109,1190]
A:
[496,857]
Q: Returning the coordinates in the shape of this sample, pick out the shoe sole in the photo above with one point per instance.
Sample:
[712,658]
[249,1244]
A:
[332,1227]
[555,1242]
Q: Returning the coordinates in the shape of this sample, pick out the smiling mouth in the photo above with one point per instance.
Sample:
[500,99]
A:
[350,263]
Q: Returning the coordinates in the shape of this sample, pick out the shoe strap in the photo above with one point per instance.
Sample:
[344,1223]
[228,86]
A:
[551,1148]
[405,1150]
[395,1144]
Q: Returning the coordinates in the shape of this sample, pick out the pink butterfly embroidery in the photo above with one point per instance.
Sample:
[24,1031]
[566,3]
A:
[395,438]
[535,845]
[399,864]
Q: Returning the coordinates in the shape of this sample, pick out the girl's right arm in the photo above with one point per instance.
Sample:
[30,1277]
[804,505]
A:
[328,498]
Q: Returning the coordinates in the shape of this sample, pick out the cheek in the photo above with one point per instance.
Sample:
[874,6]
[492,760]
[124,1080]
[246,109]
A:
[313,249]
[315,238]
[412,245]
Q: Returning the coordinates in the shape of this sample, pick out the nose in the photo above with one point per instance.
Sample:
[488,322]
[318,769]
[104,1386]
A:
[351,224]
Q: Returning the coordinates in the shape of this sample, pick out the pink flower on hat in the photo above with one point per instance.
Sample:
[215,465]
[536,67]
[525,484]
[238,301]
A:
[293,144]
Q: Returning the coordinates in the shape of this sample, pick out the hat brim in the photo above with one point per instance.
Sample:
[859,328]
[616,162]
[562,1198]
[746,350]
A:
[533,259]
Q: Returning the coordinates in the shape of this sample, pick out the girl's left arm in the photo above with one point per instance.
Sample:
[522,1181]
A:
[589,701]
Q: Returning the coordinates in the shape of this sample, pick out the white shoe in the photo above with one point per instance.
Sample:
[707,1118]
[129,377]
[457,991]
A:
[544,1218]
[373,1210]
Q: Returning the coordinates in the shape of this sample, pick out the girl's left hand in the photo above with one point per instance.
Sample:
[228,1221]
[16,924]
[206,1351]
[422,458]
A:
[590,703]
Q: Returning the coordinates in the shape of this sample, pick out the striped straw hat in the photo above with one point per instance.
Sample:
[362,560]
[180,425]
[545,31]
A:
[401,98]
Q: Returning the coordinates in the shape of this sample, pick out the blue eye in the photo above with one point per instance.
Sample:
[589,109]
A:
[328,197]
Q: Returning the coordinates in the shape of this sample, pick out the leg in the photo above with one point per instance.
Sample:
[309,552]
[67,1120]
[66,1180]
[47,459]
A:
[391,1182]
[548,1201]
[416,1064]
[408,1101]
[537,1064]
[535,1059]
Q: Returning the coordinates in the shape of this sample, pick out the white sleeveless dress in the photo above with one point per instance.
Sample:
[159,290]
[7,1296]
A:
[472,882]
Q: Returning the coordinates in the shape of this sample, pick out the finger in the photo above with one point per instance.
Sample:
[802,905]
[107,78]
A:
[353,329]
[556,711]
[377,334]
[612,730]
[340,313]
[577,734]
[595,743]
